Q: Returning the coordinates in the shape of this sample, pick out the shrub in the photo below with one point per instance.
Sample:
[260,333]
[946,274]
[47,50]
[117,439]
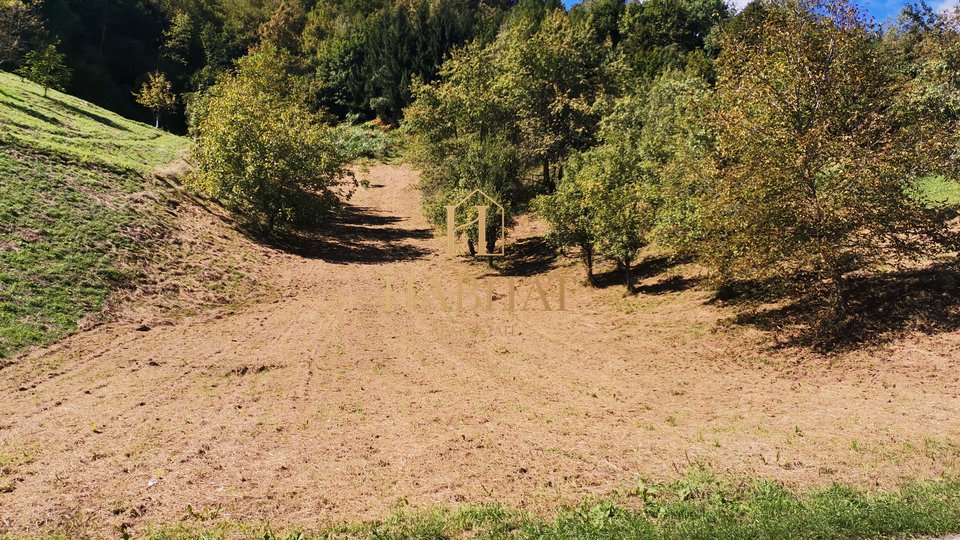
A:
[260,150]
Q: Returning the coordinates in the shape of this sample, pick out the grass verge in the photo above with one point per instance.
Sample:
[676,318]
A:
[696,507]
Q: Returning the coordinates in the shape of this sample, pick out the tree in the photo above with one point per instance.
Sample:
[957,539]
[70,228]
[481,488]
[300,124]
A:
[285,28]
[553,79]
[45,67]
[817,150]
[408,41]
[464,135]
[570,220]
[619,195]
[642,182]
[662,34]
[177,48]
[157,95]
[19,23]
[260,150]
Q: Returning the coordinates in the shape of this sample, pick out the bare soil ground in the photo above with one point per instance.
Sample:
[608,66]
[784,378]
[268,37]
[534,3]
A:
[318,402]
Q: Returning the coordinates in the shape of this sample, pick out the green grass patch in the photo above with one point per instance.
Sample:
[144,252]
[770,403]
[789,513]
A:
[73,207]
[939,191]
[366,141]
[697,507]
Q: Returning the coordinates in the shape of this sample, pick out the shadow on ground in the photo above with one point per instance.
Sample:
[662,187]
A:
[358,235]
[883,308]
[528,257]
[646,269]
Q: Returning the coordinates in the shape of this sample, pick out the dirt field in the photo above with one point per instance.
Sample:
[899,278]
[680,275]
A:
[319,402]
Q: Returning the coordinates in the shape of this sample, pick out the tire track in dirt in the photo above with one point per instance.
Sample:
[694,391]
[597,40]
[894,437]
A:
[321,404]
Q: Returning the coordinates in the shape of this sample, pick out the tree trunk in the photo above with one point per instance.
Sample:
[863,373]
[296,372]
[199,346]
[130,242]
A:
[156,117]
[586,251]
[546,176]
[271,222]
[471,247]
[841,304]
[627,278]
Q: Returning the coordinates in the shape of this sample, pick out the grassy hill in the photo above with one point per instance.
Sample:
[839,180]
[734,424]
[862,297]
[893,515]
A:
[75,208]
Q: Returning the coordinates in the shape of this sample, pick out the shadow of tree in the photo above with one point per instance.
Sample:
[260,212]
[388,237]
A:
[93,116]
[358,235]
[882,308]
[673,284]
[648,268]
[527,257]
[36,114]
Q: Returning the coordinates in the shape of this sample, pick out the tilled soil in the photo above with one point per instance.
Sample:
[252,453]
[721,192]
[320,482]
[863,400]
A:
[333,399]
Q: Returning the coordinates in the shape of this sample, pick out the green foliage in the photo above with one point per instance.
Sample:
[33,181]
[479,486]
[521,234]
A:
[285,27]
[72,209]
[20,25]
[570,218]
[463,134]
[45,67]
[365,141]
[407,41]
[260,150]
[644,179]
[818,145]
[552,80]
[664,34]
[157,95]
[619,198]
[503,110]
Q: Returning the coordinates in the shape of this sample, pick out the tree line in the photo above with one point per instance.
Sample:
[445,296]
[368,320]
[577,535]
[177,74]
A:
[784,141]
[362,55]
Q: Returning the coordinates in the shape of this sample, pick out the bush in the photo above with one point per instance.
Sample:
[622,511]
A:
[261,151]
[357,141]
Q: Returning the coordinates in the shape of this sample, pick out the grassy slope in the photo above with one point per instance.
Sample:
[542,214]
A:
[73,207]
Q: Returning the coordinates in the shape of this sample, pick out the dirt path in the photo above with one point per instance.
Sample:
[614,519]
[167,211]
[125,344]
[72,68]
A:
[321,403]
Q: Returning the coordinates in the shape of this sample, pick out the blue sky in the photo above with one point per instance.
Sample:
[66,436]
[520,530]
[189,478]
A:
[880,9]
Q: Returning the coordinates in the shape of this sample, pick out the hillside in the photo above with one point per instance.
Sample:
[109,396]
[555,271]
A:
[80,214]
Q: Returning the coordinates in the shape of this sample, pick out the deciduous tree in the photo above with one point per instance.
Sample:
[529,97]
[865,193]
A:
[817,150]
[46,68]
[157,95]
[260,150]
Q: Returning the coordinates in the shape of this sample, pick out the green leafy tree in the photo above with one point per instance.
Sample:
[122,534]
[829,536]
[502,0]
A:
[178,40]
[20,24]
[619,195]
[260,150]
[553,80]
[817,148]
[407,41]
[665,34]
[464,135]
[675,143]
[570,219]
[46,68]
[157,95]
[643,181]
